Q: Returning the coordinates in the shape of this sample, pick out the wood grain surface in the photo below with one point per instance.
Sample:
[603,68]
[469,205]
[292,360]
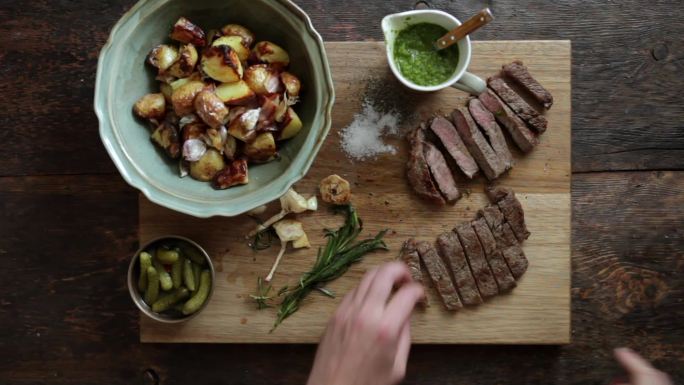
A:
[68,222]
[536,312]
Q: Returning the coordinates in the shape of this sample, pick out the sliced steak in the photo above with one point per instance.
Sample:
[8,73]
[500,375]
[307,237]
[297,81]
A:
[409,255]
[449,247]
[521,134]
[486,120]
[515,257]
[518,104]
[518,73]
[505,240]
[476,258]
[441,173]
[483,153]
[418,171]
[439,275]
[512,210]
[448,136]
[502,275]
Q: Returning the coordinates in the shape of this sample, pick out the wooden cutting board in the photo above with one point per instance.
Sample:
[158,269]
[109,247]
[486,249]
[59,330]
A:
[536,312]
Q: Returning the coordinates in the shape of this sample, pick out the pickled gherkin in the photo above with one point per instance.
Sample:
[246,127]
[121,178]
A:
[177,273]
[164,276]
[167,301]
[189,275]
[195,255]
[167,256]
[145,262]
[198,299]
[152,292]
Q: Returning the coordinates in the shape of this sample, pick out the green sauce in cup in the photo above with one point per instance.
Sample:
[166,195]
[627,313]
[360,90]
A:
[417,58]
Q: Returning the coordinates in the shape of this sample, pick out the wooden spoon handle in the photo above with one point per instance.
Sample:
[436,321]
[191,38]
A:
[481,18]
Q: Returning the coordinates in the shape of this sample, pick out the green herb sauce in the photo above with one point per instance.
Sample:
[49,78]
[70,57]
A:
[418,60]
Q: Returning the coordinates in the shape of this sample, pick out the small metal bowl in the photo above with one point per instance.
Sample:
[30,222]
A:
[133,272]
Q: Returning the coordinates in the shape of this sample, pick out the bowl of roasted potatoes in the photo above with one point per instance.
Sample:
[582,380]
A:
[213,107]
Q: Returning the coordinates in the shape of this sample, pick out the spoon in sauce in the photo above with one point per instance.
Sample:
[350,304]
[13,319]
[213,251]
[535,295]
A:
[452,37]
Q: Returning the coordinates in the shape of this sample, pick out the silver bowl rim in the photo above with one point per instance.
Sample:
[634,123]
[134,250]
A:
[131,281]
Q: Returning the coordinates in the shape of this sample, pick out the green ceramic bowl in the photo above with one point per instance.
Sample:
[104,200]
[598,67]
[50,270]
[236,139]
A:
[122,77]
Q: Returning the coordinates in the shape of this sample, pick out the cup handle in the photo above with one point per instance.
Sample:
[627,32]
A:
[471,84]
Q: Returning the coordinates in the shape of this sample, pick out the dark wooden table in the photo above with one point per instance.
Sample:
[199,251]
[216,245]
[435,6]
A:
[68,222]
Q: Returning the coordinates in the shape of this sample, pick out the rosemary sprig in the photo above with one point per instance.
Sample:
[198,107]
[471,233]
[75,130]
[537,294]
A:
[332,262]
[262,296]
[262,240]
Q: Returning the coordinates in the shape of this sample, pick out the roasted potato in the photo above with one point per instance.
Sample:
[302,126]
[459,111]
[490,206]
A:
[235,173]
[235,93]
[183,97]
[291,125]
[187,60]
[166,136]
[234,42]
[179,82]
[186,32]
[212,35]
[222,63]
[150,106]
[230,148]
[291,83]
[238,30]
[261,149]
[193,131]
[167,91]
[271,53]
[243,127]
[211,109]
[215,139]
[208,166]
[262,79]
[162,57]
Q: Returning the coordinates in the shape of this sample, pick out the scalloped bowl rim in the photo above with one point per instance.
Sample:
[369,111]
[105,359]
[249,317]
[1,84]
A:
[282,183]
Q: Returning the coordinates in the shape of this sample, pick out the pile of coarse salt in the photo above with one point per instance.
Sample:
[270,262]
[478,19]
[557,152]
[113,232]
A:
[362,139]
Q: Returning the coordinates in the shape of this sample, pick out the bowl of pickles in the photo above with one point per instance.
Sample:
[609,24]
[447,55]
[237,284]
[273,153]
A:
[171,279]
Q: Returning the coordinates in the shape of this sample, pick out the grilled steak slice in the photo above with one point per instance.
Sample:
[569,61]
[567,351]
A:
[418,171]
[441,173]
[439,275]
[512,210]
[505,240]
[517,104]
[522,136]
[409,255]
[518,73]
[515,257]
[486,120]
[448,136]
[478,264]
[449,247]
[476,143]
[502,274]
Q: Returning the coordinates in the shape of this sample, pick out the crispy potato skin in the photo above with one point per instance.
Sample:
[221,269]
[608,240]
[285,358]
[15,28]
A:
[271,53]
[234,42]
[211,109]
[166,137]
[234,174]
[291,125]
[236,93]
[151,106]
[238,30]
[186,32]
[183,97]
[208,166]
[261,149]
[193,131]
[222,63]
[230,148]
[291,83]
[187,60]
[162,57]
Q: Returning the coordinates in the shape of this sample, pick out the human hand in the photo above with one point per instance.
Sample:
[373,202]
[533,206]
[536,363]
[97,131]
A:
[368,339]
[640,371]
